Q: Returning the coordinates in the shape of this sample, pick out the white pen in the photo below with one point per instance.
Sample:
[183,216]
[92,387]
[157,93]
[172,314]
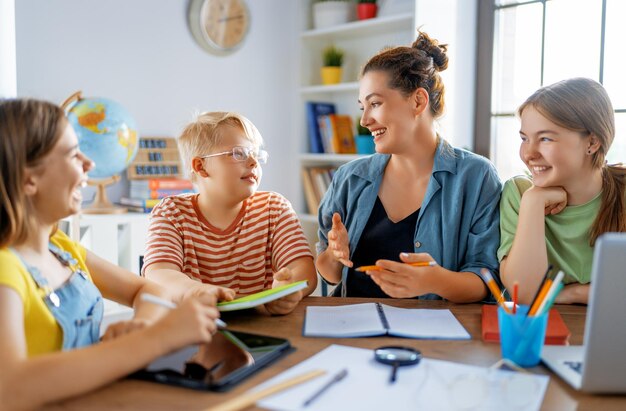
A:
[149,298]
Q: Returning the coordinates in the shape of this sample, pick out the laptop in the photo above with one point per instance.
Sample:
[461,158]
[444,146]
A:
[599,366]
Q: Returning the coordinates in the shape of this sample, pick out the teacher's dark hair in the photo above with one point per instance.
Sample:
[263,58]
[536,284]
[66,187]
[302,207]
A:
[417,66]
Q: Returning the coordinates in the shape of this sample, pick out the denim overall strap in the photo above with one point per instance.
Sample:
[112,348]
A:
[77,305]
[84,307]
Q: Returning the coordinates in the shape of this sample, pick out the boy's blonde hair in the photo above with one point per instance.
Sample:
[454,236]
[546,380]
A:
[201,136]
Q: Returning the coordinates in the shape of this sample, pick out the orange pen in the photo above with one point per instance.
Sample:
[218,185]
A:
[364,268]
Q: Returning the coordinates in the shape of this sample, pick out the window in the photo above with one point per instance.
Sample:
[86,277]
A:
[537,43]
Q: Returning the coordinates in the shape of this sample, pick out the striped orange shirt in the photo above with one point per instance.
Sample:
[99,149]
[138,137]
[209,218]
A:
[265,236]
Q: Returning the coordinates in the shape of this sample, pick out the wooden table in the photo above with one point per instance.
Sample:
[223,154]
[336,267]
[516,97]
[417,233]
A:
[138,395]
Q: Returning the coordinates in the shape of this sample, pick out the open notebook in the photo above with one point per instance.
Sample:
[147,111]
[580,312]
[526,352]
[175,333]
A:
[374,319]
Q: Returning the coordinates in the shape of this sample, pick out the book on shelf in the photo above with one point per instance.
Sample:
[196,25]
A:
[313,111]
[337,133]
[144,205]
[310,196]
[316,181]
[161,184]
[158,193]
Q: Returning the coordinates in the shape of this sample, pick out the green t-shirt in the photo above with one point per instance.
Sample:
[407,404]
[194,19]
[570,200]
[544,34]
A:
[567,233]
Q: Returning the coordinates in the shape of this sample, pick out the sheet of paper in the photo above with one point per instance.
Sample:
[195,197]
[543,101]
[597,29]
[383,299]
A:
[355,320]
[431,385]
[424,323]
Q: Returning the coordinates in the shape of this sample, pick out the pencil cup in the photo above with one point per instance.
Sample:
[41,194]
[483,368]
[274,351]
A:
[521,337]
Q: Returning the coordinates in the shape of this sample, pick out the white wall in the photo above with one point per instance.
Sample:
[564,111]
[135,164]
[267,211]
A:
[454,22]
[141,54]
[8,87]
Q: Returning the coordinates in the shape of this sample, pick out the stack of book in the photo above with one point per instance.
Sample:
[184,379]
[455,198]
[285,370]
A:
[155,173]
[316,181]
[145,194]
[329,132]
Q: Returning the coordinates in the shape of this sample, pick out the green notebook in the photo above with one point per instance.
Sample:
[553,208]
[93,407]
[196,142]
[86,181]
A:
[262,297]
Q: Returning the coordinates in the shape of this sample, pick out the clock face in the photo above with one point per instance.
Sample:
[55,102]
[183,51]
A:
[219,25]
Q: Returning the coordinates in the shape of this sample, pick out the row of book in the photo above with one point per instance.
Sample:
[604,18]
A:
[329,132]
[316,181]
[145,194]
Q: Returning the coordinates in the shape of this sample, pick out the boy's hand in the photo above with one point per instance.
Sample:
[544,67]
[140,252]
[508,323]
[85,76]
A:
[124,327]
[286,304]
[216,292]
[338,242]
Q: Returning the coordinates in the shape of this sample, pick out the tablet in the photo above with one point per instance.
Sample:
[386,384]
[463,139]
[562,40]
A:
[229,358]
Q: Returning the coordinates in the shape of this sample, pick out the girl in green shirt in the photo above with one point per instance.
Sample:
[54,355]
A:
[572,197]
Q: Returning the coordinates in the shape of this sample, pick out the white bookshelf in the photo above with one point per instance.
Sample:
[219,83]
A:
[360,40]
[362,28]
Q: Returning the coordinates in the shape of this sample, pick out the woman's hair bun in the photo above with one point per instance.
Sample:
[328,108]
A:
[433,49]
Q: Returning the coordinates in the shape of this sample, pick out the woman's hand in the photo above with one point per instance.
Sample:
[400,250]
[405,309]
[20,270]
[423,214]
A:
[289,302]
[338,241]
[401,280]
[554,199]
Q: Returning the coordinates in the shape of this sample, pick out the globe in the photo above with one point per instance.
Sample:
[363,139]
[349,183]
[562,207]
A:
[106,133]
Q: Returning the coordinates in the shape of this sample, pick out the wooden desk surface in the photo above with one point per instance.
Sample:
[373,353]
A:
[138,395]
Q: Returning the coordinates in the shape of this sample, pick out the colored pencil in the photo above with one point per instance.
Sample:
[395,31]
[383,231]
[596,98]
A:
[364,268]
[493,287]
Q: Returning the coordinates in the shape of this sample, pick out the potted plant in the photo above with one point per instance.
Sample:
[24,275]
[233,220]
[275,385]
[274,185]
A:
[364,139]
[366,9]
[331,71]
[328,13]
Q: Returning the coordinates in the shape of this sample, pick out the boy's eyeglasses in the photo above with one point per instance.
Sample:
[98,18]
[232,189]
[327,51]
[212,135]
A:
[240,153]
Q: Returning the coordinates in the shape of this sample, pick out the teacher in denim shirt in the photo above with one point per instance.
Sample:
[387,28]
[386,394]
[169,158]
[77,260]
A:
[417,200]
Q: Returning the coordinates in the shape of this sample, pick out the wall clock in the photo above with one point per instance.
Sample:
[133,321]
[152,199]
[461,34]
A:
[219,26]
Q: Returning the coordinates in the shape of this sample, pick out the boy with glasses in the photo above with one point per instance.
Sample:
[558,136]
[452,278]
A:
[228,239]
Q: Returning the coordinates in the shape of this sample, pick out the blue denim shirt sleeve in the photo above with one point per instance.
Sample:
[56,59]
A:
[484,234]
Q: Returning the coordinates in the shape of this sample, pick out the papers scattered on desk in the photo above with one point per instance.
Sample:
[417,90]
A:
[374,319]
[429,385]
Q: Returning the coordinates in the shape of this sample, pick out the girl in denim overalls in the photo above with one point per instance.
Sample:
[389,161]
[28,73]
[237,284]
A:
[50,287]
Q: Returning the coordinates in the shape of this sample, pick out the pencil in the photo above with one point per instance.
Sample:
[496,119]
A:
[149,298]
[545,278]
[493,287]
[364,268]
[515,291]
[550,294]
[542,293]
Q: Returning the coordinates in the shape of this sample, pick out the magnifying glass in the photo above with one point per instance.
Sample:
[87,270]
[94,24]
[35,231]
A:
[397,356]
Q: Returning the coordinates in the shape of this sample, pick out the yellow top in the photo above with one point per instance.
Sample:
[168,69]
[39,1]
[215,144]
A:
[43,333]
